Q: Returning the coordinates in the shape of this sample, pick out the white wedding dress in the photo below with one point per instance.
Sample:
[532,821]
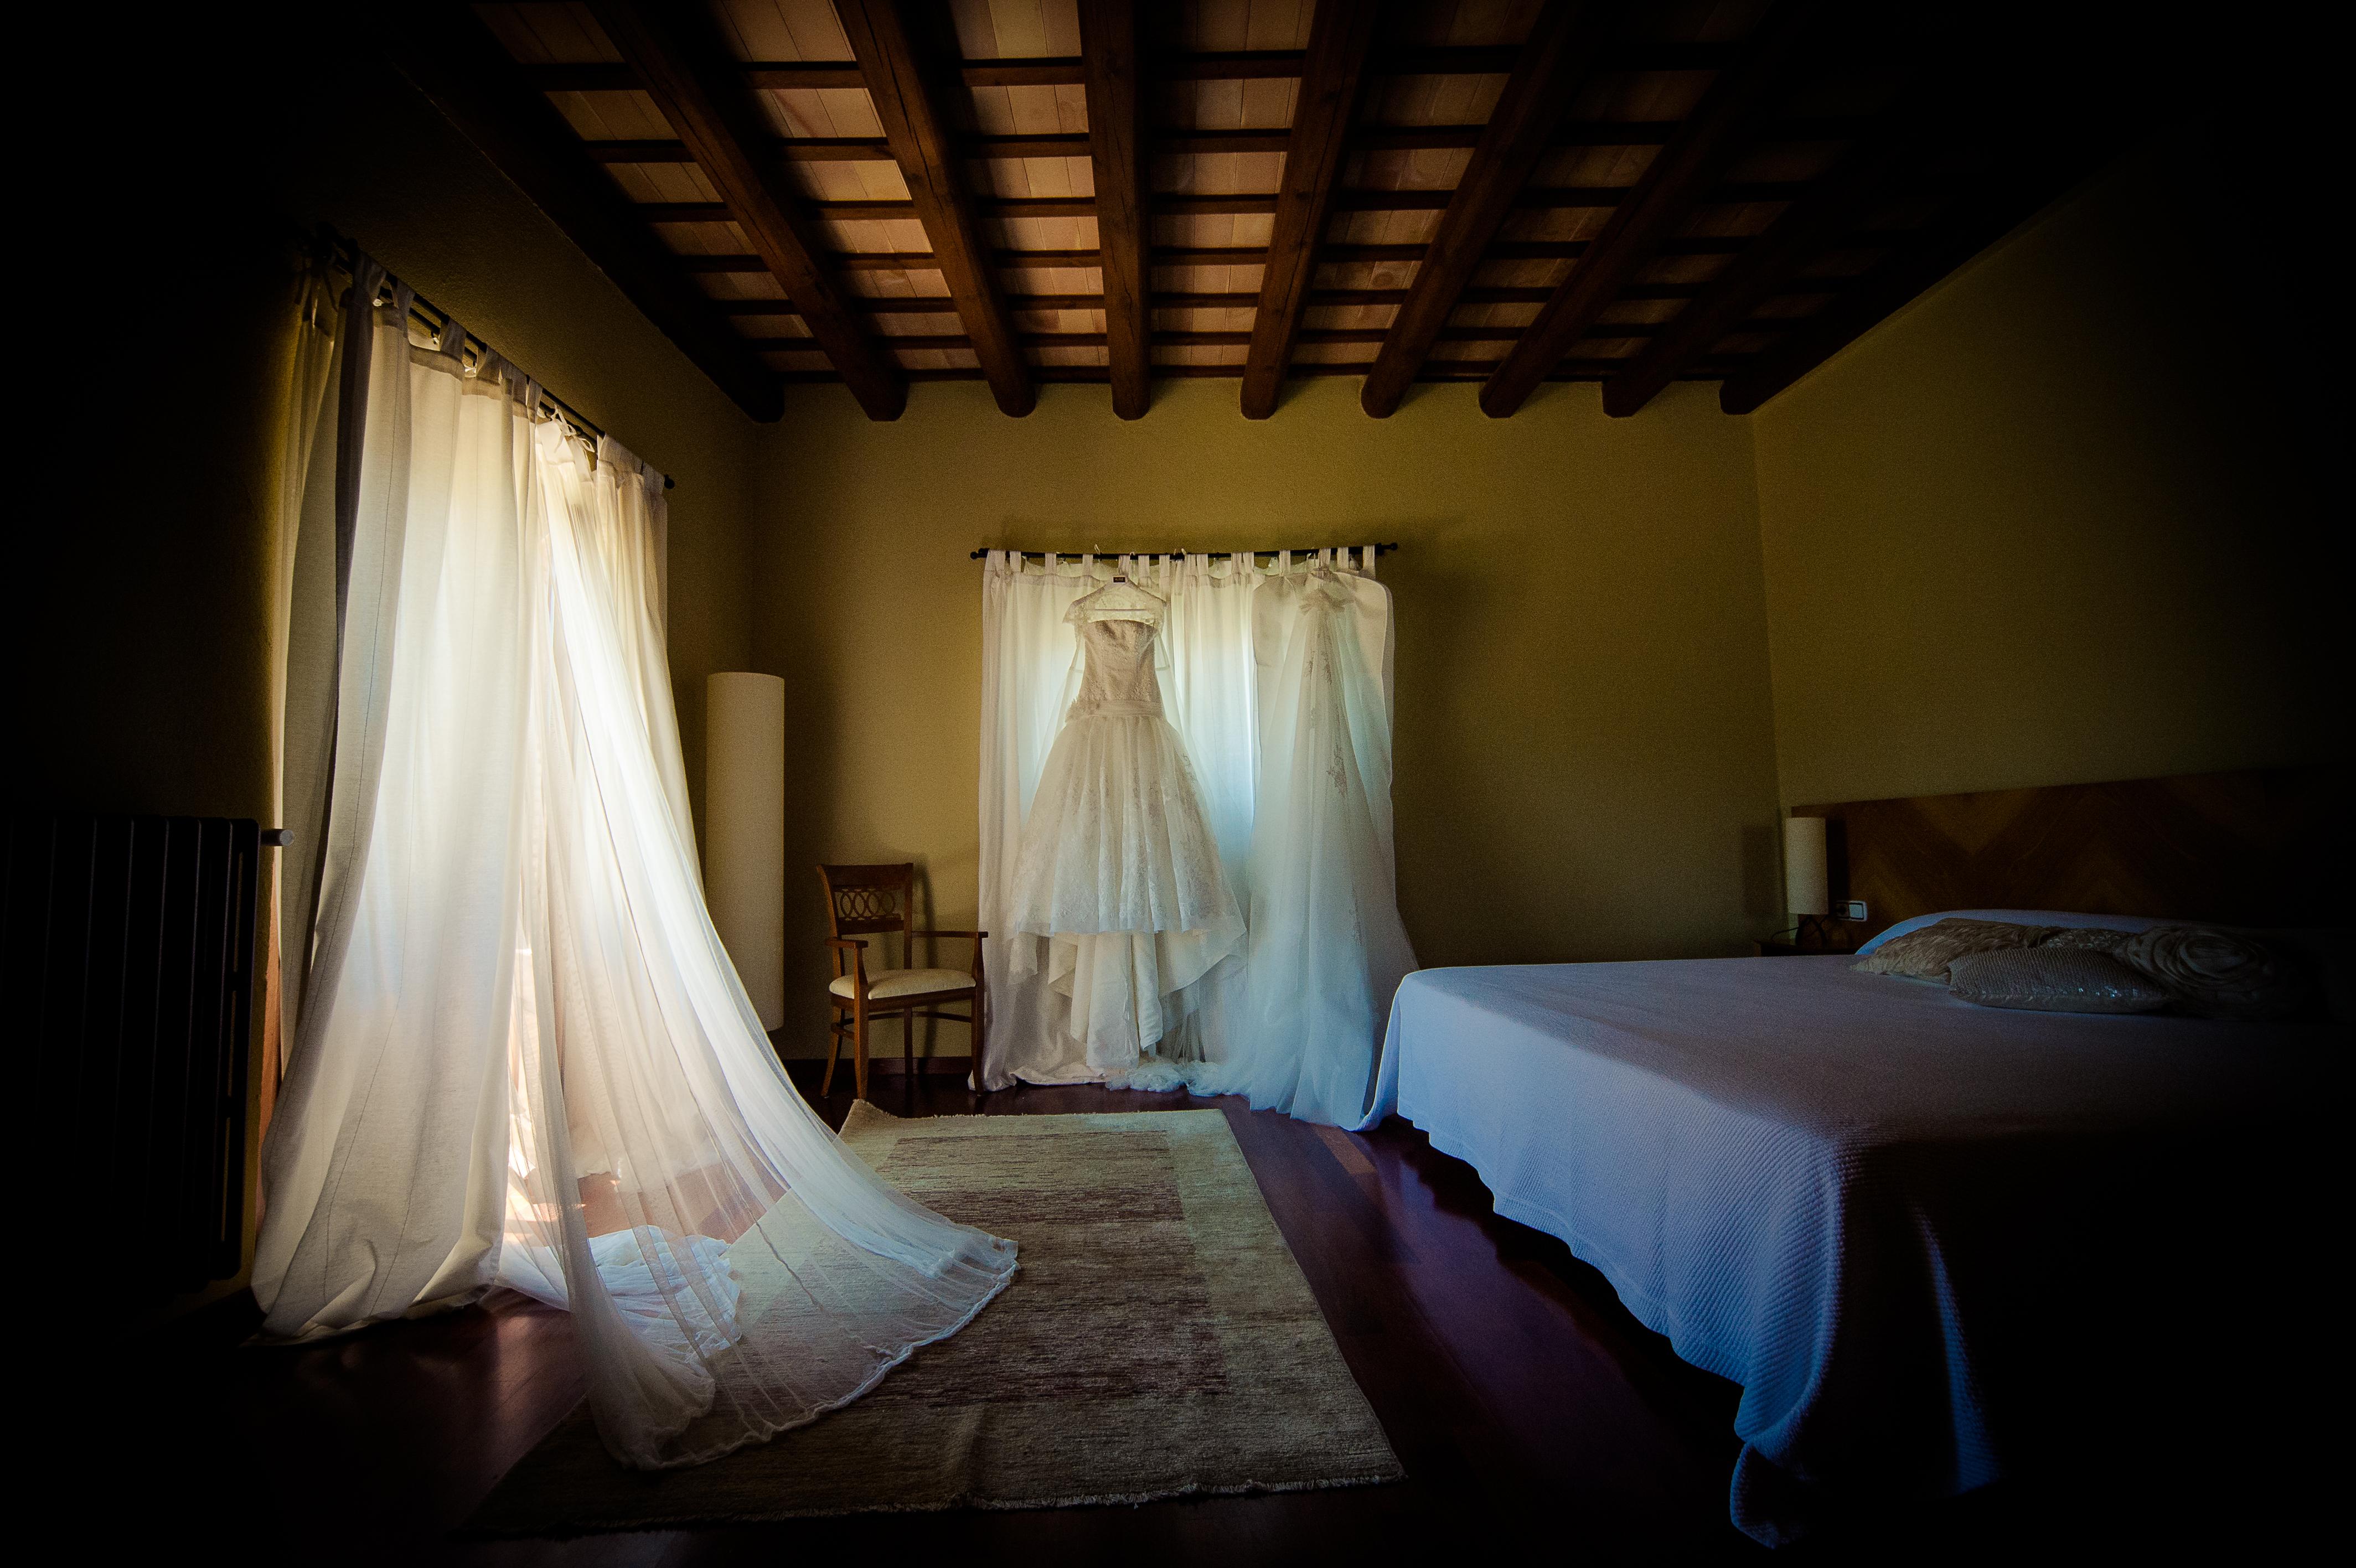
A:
[1117,892]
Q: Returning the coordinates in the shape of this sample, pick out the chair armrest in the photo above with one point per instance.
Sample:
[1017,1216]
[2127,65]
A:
[857,952]
[976,934]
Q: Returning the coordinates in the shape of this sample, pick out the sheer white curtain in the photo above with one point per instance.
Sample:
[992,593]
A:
[526,1059]
[310,368]
[1259,728]
[1326,948]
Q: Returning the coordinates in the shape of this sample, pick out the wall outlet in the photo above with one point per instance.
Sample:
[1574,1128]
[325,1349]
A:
[1853,910]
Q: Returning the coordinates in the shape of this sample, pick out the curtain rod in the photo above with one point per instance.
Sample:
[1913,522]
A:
[345,253]
[1380,550]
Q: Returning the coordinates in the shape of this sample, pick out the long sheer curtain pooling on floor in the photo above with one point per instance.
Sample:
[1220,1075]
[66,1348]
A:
[1279,683]
[523,1058]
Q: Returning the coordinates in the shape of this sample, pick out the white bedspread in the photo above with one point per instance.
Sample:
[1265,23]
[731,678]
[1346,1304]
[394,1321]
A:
[1909,1227]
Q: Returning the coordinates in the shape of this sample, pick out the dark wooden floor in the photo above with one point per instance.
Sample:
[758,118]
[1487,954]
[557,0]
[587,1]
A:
[1519,1395]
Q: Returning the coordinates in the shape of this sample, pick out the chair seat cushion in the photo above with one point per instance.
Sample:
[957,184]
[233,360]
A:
[883,985]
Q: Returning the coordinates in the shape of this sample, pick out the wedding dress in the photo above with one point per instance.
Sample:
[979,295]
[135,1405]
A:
[1117,882]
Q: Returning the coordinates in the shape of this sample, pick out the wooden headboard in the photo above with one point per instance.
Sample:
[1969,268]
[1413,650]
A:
[2267,848]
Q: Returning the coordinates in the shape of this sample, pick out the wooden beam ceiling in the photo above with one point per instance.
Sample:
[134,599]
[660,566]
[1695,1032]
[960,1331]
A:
[1534,199]
[1167,142]
[934,304]
[2004,199]
[1816,223]
[1116,151]
[1564,46]
[1339,39]
[695,85]
[1906,191]
[1678,175]
[1256,255]
[925,144]
[599,76]
[470,78]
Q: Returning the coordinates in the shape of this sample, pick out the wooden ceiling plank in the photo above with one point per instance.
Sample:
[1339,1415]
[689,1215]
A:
[469,77]
[1682,172]
[1562,52]
[698,89]
[1340,36]
[1116,103]
[924,144]
[1817,222]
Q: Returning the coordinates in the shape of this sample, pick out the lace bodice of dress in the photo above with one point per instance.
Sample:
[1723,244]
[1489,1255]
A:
[1117,674]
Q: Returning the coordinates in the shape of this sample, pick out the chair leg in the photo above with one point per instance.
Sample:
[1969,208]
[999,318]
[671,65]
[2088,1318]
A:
[908,1045]
[833,1048]
[859,1050]
[980,1039]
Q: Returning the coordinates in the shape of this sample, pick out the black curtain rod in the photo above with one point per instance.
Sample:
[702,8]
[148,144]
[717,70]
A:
[1380,550]
[345,253]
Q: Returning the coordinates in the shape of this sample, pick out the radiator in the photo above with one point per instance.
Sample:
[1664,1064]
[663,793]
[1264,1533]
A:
[126,955]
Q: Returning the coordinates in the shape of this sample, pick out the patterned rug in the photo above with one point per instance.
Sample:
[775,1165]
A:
[1160,1341]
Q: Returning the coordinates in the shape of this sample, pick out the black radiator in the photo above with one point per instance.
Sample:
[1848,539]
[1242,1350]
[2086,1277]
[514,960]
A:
[126,970]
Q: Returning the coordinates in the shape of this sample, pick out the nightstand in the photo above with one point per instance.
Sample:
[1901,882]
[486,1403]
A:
[1788,950]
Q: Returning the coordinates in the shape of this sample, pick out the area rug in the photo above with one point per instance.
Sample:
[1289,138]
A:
[1158,1341]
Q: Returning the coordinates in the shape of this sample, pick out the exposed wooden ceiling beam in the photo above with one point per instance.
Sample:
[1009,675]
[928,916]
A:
[1564,46]
[689,75]
[1816,223]
[1067,71]
[468,77]
[925,144]
[1339,39]
[1688,166]
[1115,139]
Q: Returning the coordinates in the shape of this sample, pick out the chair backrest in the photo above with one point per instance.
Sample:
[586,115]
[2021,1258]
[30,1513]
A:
[864,899]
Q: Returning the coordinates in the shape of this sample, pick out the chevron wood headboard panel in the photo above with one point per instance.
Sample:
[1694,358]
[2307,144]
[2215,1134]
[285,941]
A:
[2265,848]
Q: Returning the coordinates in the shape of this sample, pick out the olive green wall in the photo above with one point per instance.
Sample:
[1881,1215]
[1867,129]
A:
[1585,765]
[2055,522]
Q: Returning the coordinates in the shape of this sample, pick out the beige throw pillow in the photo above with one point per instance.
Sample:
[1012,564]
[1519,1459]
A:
[2220,974]
[2090,939]
[2055,979]
[1924,954]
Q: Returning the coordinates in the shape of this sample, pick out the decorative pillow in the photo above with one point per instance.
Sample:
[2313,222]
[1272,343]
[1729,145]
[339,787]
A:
[2055,979]
[2064,919]
[2220,974]
[1924,954]
[2089,939]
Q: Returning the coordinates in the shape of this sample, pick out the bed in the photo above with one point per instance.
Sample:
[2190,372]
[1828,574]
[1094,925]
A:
[1936,1244]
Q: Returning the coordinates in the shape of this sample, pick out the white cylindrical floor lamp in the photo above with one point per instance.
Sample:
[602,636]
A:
[744,830]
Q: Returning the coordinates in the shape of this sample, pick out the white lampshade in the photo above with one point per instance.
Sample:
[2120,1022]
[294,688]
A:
[744,831]
[1807,885]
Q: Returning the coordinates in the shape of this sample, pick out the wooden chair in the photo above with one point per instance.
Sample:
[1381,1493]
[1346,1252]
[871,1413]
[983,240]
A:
[863,899]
